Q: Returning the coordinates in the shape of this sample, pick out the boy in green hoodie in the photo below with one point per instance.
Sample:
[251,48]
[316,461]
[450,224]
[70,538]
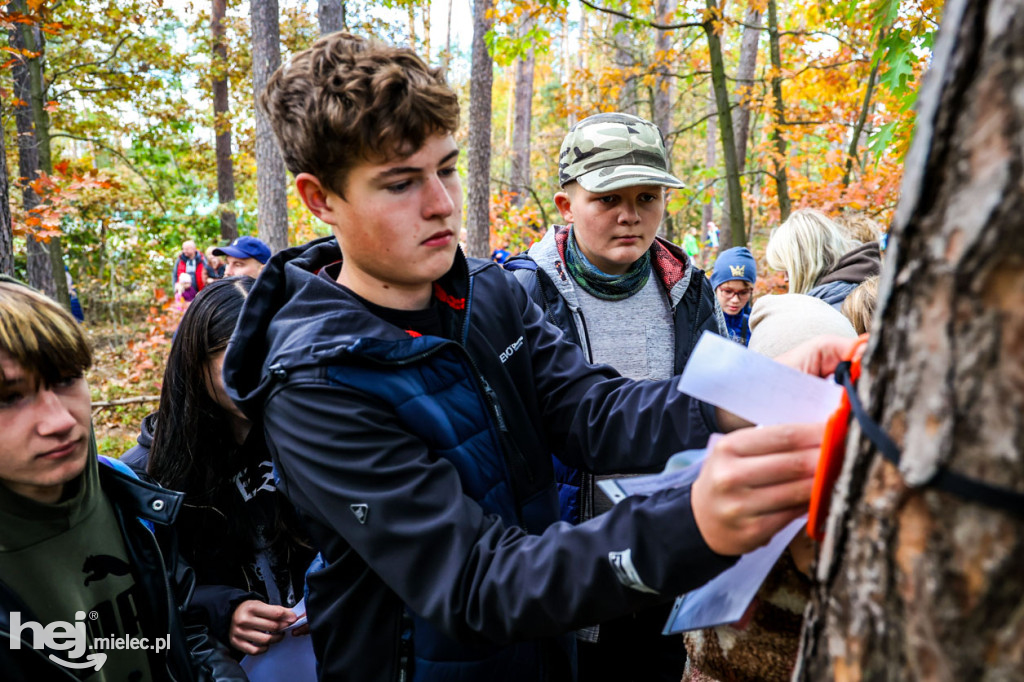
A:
[83,583]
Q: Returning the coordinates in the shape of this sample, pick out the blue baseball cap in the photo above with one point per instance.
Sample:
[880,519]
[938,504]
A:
[245,247]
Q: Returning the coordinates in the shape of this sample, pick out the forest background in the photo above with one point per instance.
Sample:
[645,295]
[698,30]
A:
[129,126]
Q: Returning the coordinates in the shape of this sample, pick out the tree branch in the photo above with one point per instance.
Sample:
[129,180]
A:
[648,22]
[113,53]
[118,154]
[126,401]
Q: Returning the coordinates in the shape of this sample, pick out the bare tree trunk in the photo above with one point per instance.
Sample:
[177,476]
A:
[478,209]
[710,160]
[732,232]
[447,58]
[626,63]
[36,134]
[778,113]
[271,177]
[865,108]
[6,233]
[520,176]
[331,16]
[920,583]
[222,124]
[661,105]
[744,90]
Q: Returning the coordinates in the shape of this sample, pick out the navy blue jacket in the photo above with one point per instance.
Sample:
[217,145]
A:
[421,467]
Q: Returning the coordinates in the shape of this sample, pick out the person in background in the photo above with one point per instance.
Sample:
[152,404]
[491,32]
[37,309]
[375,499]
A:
[76,305]
[246,256]
[859,306]
[691,245]
[239,534]
[215,266]
[79,537]
[818,258]
[184,290]
[630,300]
[191,262]
[733,281]
[763,648]
[859,227]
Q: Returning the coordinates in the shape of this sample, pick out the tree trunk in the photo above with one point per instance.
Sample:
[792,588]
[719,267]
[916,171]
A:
[6,233]
[478,209]
[331,15]
[626,63]
[222,124]
[778,114]
[732,232]
[710,160]
[271,177]
[865,108]
[921,584]
[520,176]
[46,272]
[744,90]
[661,106]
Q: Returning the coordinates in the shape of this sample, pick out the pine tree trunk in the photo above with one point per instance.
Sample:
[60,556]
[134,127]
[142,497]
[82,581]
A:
[710,161]
[478,209]
[222,124]
[520,175]
[734,231]
[744,88]
[271,177]
[331,15]
[661,107]
[46,261]
[6,234]
[921,584]
[778,113]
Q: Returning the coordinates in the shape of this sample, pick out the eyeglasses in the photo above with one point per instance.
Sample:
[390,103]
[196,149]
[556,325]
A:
[734,293]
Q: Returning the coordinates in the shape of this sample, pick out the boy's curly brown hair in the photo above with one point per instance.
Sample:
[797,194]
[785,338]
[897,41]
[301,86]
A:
[349,99]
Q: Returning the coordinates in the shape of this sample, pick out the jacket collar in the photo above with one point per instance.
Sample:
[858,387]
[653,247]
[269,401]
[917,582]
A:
[139,498]
[671,265]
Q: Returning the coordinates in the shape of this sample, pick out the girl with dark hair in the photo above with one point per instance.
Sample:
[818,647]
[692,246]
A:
[239,534]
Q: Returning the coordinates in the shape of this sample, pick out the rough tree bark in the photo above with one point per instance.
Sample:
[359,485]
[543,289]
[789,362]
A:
[331,15]
[478,163]
[519,178]
[778,114]
[46,260]
[271,177]
[734,231]
[222,123]
[920,584]
[6,234]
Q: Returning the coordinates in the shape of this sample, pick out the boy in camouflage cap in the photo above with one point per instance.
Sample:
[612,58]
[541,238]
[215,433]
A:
[630,300]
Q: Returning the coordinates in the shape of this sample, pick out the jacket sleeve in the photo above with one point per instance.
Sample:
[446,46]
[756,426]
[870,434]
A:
[209,659]
[218,603]
[432,545]
[598,421]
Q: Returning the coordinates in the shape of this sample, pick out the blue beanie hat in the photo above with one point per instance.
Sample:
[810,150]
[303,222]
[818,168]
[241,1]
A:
[734,263]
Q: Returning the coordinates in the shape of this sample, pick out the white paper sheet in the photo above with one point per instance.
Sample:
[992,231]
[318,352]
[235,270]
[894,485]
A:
[725,598]
[730,376]
[290,659]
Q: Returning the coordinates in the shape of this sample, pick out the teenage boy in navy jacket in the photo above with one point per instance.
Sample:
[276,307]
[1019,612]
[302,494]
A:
[411,399]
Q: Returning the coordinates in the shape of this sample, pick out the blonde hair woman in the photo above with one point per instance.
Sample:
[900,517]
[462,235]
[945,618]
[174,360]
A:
[818,258]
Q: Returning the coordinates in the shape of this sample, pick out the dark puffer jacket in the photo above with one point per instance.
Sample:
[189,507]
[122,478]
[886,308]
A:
[421,466]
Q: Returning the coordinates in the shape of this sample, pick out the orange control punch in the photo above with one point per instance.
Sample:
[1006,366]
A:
[833,449]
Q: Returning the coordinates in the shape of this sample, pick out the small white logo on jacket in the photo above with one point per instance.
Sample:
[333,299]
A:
[361,511]
[512,348]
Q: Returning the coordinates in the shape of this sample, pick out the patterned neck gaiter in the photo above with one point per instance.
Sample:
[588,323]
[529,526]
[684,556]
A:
[601,285]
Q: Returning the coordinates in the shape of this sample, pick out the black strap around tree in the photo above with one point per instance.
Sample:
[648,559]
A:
[963,487]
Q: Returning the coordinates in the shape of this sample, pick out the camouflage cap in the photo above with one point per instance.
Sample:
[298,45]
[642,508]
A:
[606,152]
